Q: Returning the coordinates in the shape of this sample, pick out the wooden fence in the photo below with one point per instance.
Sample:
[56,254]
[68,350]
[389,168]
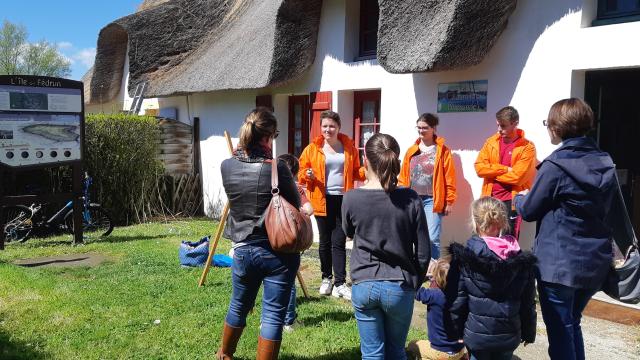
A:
[181,188]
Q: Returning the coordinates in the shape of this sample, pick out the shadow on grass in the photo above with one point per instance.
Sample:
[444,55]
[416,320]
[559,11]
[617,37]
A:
[313,299]
[339,316]
[126,238]
[18,350]
[347,354]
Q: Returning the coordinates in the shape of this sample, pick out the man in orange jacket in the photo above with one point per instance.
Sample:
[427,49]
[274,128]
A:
[507,163]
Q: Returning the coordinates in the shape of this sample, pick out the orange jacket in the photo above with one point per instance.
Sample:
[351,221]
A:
[313,157]
[523,165]
[444,174]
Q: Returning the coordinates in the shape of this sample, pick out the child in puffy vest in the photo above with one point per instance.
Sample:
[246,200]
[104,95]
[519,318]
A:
[494,310]
[443,344]
[306,208]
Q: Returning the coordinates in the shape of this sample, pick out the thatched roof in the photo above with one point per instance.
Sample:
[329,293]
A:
[438,35]
[187,46]
[147,4]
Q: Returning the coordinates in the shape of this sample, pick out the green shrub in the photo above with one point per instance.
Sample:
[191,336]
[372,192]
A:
[121,156]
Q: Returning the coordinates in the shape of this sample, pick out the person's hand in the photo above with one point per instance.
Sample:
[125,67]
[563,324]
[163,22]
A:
[310,175]
[509,169]
[447,209]
[306,209]
[523,192]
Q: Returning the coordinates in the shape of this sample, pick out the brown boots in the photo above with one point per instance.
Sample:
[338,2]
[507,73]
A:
[230,337]
[267,349]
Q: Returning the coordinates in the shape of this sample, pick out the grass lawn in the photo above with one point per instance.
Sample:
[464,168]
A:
[110,311]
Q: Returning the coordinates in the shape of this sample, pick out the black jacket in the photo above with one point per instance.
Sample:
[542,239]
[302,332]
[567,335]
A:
[495,307]
[570,198]
[247,182]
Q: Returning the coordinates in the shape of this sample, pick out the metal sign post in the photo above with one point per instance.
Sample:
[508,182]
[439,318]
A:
[42,125]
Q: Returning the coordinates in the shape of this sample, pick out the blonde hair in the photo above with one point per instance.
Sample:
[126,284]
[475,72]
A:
[260,123]
[488,213]
[440,271]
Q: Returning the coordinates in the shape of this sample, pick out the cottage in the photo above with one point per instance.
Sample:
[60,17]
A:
[380,63]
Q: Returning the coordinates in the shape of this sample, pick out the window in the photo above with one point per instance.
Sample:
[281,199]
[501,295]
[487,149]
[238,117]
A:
[366,120]
[368,28]
[298,124]
[615,11]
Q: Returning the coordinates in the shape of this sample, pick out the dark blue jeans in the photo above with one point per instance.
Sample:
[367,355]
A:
[291,316]
[257,264]
[562,308]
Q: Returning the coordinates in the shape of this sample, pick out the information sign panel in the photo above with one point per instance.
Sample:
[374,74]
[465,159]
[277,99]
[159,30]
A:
[41,120]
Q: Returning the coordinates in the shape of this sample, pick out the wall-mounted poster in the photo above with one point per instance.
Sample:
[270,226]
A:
[40,120]
[463,96]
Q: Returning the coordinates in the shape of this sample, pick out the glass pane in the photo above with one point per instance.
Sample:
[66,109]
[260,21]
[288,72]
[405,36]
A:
[297,115]
[368,111]
[297,142]
[366,132]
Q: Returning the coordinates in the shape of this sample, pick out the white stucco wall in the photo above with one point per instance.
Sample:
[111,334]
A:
[540,58]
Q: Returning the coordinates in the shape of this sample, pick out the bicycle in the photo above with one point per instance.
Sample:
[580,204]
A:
[22,221]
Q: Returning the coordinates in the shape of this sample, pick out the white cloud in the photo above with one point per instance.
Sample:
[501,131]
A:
[70,60]
[64,45]
[85,57]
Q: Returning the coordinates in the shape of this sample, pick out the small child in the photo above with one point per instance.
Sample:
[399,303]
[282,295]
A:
[495,308]
[442,345]
[294,165]
[306,208]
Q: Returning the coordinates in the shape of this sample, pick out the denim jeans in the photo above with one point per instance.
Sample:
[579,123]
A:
[332,247]
[562,308]
[491,355]
[383,312]
[291,309]
[433,222]
[254,264]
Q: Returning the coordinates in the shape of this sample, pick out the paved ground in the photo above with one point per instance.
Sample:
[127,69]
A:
[603,339]
[73,260]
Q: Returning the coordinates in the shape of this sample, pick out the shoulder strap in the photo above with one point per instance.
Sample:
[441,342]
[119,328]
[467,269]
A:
[274,174]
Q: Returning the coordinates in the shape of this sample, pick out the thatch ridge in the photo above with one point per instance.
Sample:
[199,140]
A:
[436,35]
[186,46]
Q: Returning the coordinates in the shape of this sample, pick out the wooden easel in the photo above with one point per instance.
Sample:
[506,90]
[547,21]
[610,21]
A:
[223,221]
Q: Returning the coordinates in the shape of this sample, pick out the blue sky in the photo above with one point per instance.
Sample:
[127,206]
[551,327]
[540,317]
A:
[71,24]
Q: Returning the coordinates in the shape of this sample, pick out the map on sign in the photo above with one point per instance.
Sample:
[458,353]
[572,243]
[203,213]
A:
[39,125]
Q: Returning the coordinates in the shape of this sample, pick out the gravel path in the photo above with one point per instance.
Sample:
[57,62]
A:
[603,339]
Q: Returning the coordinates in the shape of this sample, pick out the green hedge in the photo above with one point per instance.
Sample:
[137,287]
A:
[121,156]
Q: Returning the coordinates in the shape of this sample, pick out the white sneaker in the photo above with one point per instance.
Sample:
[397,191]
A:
[326,286]
[289,328]
[342,291]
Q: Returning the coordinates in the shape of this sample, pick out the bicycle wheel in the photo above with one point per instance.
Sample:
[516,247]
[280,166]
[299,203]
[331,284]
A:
[96,222]
[17,223]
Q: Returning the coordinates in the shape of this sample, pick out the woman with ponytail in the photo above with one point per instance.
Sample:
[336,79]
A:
[391,251]
[247,181]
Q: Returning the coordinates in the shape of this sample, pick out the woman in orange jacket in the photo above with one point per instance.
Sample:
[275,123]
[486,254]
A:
[328,167]
[428,169]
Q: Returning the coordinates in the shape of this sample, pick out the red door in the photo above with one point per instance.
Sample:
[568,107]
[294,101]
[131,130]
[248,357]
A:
[320,101]
[298,124]
[366,117]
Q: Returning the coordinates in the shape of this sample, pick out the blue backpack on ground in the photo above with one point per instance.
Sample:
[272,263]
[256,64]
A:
[196,254]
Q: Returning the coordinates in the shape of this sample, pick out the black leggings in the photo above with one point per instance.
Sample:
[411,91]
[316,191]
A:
[332,249]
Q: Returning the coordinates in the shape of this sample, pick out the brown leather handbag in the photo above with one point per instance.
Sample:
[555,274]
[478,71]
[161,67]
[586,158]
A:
[289,230]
